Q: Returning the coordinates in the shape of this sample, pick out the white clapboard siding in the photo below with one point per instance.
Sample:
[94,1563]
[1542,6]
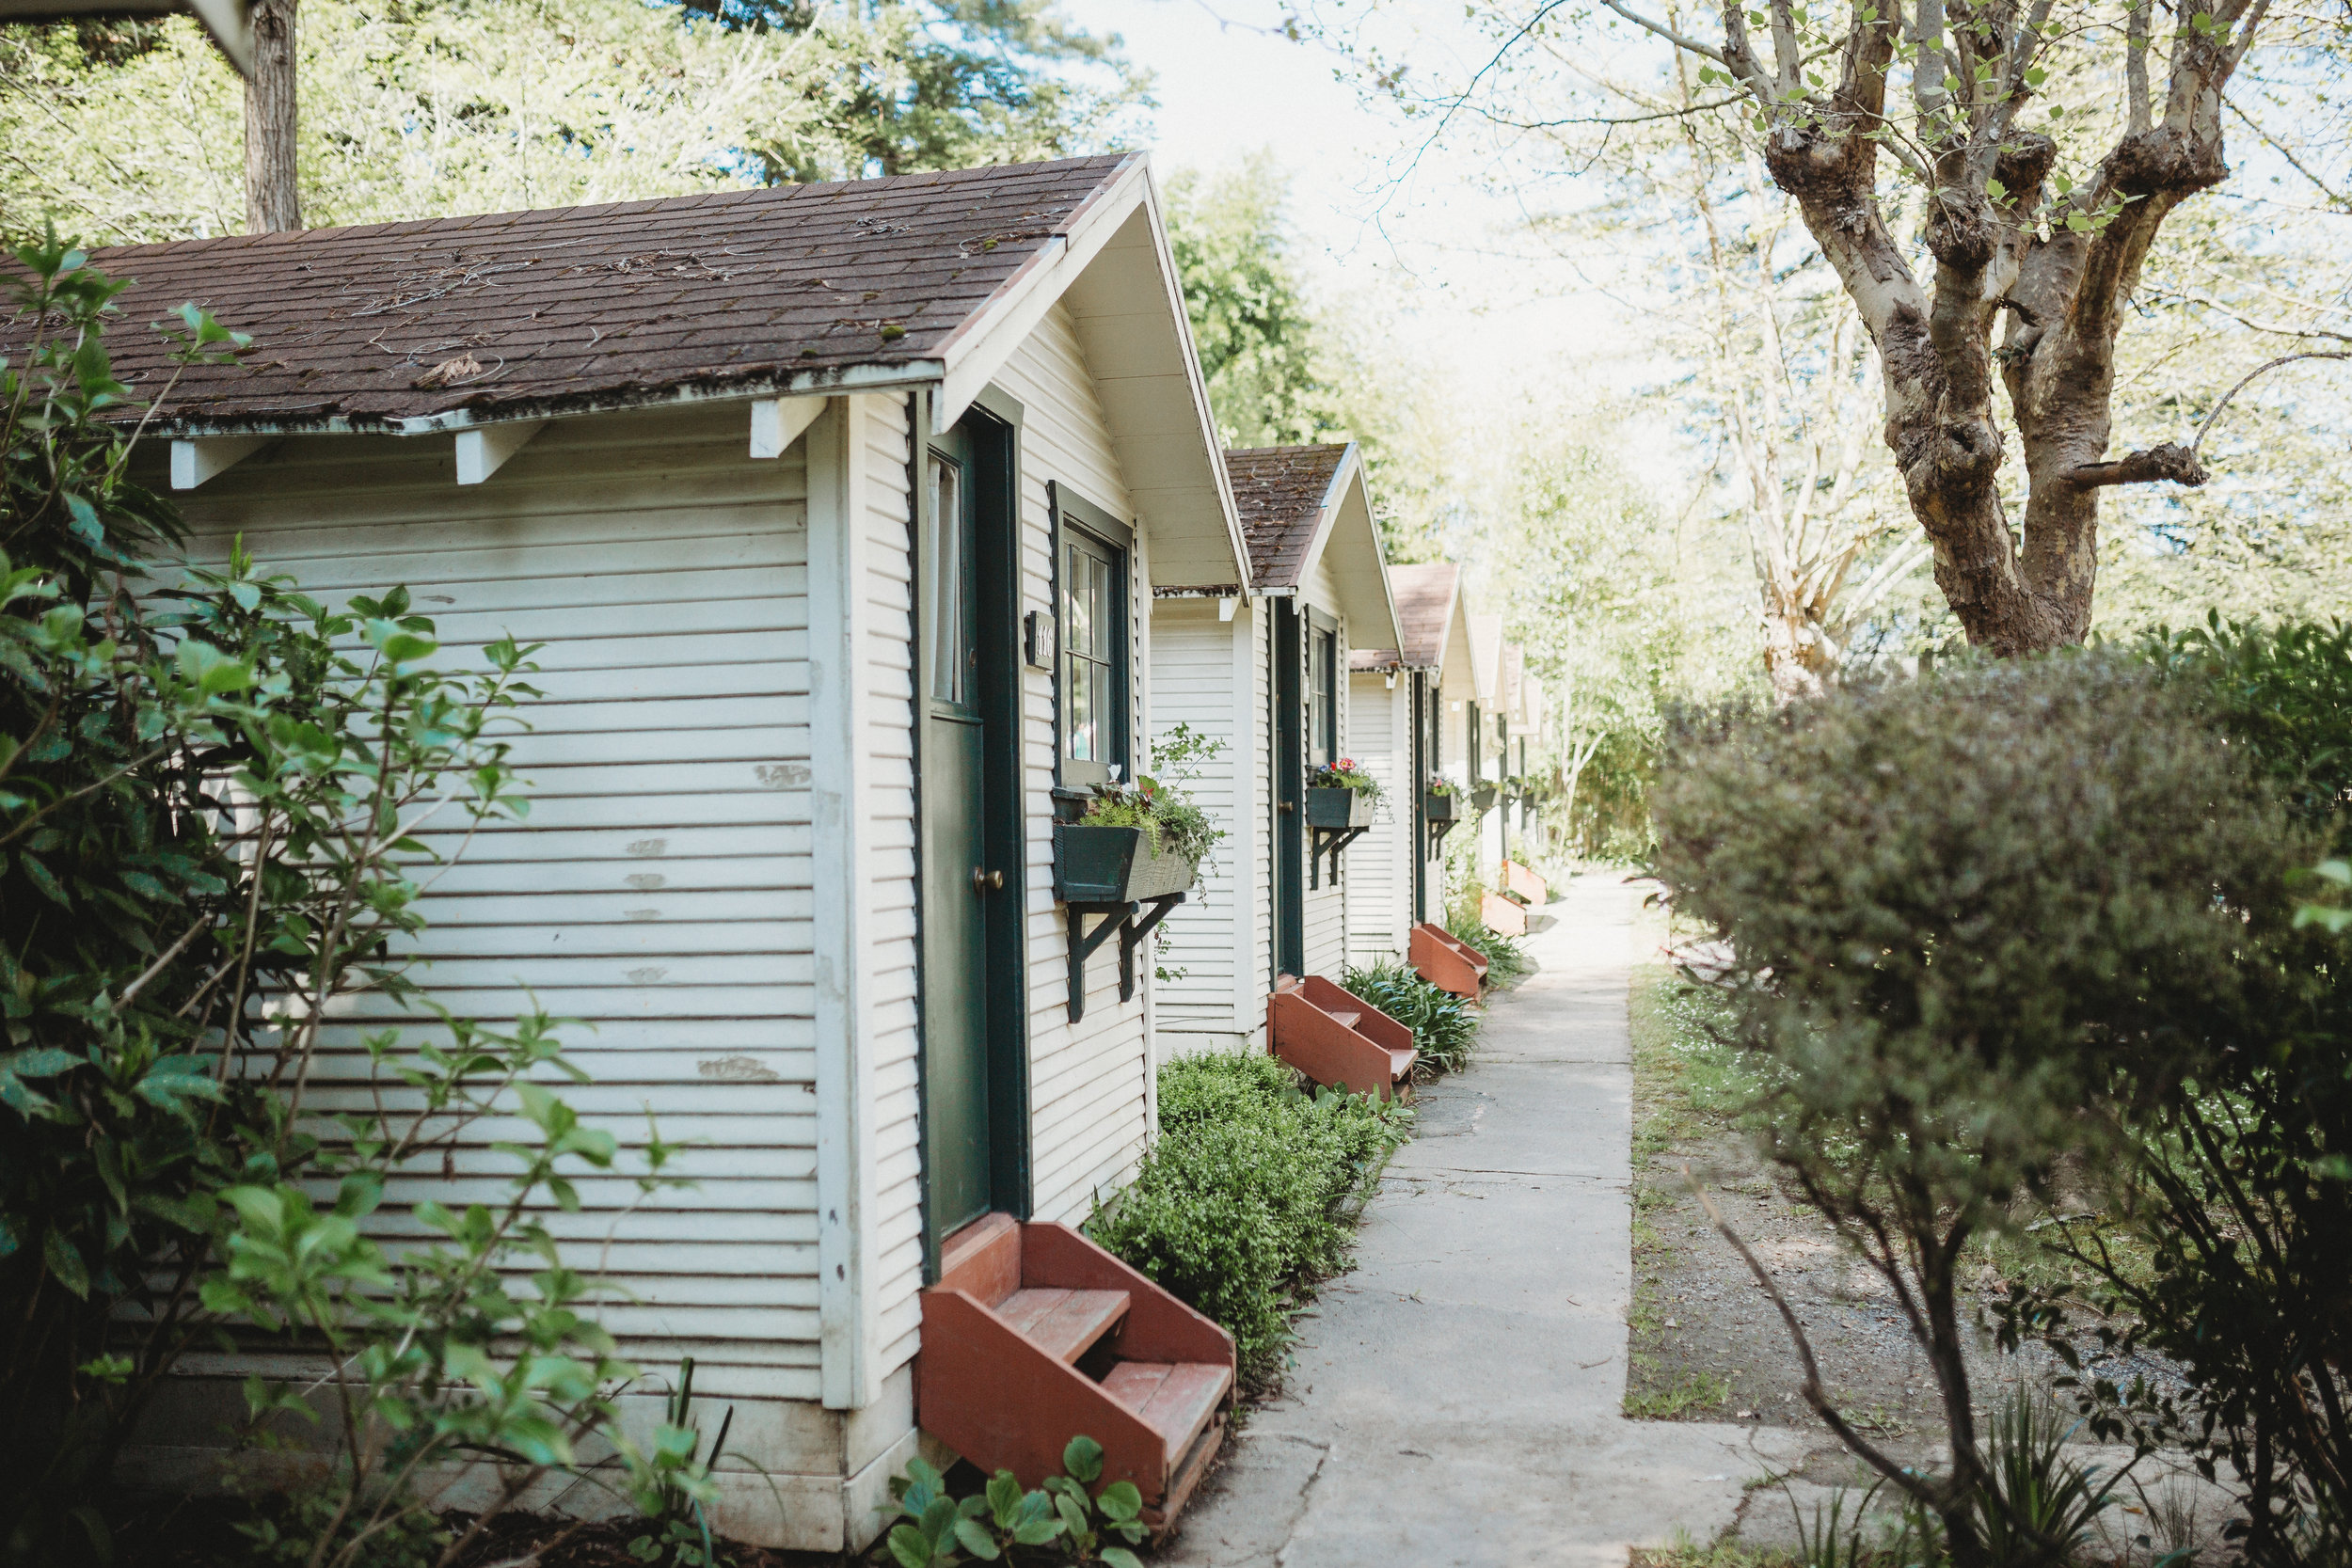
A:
[1262,717]
[1378,874]
[1193,674]
[658,892]
[1089,1089]
[889,1311]
[1327,905]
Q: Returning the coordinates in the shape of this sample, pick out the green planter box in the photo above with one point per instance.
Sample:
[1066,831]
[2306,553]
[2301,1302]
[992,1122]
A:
[1114,866]
[1438,808]
[1484,797]
[1338,808]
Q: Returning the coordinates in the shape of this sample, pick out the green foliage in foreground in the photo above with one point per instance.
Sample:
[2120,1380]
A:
[1064,1521]
[1966,925]
[213,797]
[1250,1195]
[1444,1027]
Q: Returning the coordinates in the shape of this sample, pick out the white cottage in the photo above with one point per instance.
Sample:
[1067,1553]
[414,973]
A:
[839,510]
[1431,615]
[1262,666]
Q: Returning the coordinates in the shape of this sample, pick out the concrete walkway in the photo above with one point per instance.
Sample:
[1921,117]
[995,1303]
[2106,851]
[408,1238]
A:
[1455,1397]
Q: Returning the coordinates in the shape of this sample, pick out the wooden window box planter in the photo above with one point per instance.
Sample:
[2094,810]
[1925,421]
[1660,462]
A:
[1336,808]
[1119,874]
[1483,797]
[1115,865]
[1335,819]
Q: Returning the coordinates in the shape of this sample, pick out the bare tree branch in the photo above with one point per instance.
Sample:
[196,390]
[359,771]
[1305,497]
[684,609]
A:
[2169,460]
[1815,1395]
[2197,445]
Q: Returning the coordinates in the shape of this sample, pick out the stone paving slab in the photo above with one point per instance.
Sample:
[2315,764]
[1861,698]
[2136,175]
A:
[1455,1397]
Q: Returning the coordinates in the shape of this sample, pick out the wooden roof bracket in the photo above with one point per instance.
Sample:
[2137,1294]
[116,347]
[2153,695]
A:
[1129,923]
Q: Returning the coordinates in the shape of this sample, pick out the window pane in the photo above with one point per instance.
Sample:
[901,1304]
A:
[950,587]
[1081,697]
[1078,601]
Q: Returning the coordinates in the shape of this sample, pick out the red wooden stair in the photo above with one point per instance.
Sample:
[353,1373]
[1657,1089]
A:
[1524,881]
[1446,962]
[1034,1335]
[1336,1038]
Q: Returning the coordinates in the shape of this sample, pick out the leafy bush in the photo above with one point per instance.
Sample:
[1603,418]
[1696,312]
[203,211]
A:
[2284,693]
[1443,1026]
[1951,912]
[2239,1176]
[209,802]
[1062,1522]
[1249,1195]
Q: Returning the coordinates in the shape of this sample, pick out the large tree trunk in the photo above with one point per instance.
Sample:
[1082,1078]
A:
[271,201]
[2063,292]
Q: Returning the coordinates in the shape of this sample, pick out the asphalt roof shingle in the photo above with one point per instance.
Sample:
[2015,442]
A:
[1278,492]
[1424,601]
[520,314]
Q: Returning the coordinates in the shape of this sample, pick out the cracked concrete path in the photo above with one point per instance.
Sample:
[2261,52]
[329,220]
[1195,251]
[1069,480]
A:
[1455,1397]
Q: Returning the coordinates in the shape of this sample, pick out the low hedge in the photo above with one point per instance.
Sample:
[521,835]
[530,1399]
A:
[1250,1195]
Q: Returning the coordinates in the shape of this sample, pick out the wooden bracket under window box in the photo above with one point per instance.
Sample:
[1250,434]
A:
[1336,817]
[1121,876]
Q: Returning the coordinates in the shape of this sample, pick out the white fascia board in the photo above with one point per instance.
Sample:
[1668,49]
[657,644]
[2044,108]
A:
[861,378]
[1171,285]
[484,451]
[978,349]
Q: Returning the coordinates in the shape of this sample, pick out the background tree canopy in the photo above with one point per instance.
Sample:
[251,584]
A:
[131,131]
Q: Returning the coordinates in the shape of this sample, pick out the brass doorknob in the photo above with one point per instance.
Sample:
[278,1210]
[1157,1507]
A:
[986,881]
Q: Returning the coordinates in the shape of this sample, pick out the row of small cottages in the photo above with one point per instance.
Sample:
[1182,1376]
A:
[867,527]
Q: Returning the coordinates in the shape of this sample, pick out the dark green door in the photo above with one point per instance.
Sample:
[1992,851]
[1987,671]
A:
[956,877]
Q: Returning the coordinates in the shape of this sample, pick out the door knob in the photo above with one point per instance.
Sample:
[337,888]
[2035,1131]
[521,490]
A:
[984,882]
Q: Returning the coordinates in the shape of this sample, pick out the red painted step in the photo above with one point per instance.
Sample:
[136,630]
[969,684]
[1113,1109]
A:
[1337,1039]
[1017,1307]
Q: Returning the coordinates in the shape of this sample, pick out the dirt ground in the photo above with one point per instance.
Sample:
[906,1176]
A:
[1706,1342]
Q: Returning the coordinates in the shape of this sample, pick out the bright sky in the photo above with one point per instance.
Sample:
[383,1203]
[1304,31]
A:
[1416,233]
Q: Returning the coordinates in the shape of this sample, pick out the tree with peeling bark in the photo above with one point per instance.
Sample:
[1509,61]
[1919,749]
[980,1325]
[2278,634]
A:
[1882,118]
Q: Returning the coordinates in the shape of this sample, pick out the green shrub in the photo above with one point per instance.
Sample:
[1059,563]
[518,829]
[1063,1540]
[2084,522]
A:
[1443,1026]
[1250,1195]
[1952,914]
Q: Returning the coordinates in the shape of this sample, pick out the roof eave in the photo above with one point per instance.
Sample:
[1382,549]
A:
[825,383]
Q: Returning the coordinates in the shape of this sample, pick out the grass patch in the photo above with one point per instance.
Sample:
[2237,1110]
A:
[1250,1195]
[1690,1391]
[1686,1082]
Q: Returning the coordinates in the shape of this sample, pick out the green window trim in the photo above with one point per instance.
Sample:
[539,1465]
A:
[1094,657]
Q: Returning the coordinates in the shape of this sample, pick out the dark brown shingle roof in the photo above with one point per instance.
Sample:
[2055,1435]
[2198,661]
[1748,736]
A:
[1279,492]
[1424,601]
[520,314]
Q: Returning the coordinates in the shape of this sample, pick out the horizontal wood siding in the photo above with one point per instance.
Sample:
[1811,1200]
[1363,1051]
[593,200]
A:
[893,1315]
[1192,683]
[1089,1104]
[660,891]
[1379,874]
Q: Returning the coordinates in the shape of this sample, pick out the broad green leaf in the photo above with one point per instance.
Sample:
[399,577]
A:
[65,1263]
